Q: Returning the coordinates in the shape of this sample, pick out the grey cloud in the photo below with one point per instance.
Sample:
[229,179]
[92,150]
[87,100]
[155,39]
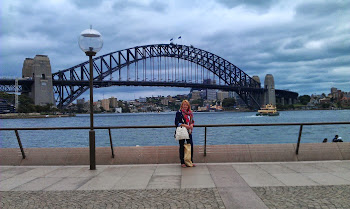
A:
[87,3]
[254,4]
[287,49]
[322,8]
[154,5]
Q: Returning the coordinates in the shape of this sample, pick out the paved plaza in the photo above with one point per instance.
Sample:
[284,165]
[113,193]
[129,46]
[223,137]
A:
[312,184]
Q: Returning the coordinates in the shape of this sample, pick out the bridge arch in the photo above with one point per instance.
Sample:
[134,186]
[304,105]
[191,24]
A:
[70,83]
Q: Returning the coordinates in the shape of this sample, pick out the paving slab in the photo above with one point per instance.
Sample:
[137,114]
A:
[226,176]
[39,171]
[275,168]
[294,179]
[306,168]
[167,170]
[14,182]
[164,182]
[335,166]
[197,181]
[86,172]
[133,182]
[343,175]
[64,171]
[248,168]
[192,171]
[234,191]
[68,183]
[38,184]
[232,185]
[12,171]
[119,171]
[100,183]
[261,179]
[326,179]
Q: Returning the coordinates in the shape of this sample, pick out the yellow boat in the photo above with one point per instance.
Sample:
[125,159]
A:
[268,110]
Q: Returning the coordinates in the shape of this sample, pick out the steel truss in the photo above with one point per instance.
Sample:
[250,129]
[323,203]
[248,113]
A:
[68,84]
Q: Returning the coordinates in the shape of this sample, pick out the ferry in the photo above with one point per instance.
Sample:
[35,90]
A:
[268,110]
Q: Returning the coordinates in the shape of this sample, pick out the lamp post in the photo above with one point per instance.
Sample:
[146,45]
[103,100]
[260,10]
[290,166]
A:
[90,42]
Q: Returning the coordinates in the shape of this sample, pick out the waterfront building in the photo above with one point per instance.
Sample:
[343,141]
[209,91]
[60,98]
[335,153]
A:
[118,110]
[165,101]
[196,95]
[113,102]
[142,100]
[325,101]
[105,104]
[221,95]
[81,101]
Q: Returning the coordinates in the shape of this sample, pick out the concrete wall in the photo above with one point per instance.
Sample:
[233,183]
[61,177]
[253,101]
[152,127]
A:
[170,154]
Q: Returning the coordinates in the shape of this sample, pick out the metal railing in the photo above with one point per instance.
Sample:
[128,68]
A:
[171,126]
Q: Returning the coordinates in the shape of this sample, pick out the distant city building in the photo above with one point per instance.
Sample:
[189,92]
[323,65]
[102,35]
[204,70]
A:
[221,95]
[196,95]
[105,104]
[118,110]
[325,101]
[333,90]
[210,93]
[142,100]
[81,101]
[165,101]
[113,102]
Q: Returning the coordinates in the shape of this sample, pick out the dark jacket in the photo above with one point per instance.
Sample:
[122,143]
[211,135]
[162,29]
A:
[179,119]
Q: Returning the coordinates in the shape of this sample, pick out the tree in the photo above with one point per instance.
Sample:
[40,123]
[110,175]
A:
[102,109]
[199,102]
[26,104]
[304,99]
[228,102]
[9,97]
[326,105]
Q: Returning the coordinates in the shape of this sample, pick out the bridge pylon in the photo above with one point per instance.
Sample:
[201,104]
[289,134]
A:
[39,70]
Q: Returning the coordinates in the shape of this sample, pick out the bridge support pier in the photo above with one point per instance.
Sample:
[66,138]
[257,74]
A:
[39,69]
[269,95]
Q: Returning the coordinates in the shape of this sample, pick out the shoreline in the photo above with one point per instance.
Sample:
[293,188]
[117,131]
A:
[30,115]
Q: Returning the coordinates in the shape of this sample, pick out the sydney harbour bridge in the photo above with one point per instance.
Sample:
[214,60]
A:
[166,65]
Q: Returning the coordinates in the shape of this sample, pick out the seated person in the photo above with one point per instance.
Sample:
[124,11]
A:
[335,139]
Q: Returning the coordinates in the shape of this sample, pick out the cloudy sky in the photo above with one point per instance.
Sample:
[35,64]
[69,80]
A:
[304,44]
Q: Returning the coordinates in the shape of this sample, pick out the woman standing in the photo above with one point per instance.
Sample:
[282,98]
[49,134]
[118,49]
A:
[184,117]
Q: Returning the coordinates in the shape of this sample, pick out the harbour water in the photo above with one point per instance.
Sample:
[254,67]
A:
[160,137]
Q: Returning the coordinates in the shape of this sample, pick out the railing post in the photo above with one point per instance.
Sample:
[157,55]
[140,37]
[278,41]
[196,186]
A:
[299,138]
[20,144]
[110,140]
[205,141]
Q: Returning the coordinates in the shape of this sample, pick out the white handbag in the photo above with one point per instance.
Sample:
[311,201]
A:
[181,133]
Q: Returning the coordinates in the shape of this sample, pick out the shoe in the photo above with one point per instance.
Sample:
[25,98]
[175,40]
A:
[193,165]
[183,165]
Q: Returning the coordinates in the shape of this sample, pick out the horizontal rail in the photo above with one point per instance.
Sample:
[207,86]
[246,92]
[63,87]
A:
[172,126]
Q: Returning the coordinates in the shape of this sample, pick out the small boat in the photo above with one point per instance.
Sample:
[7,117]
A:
[268,110]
